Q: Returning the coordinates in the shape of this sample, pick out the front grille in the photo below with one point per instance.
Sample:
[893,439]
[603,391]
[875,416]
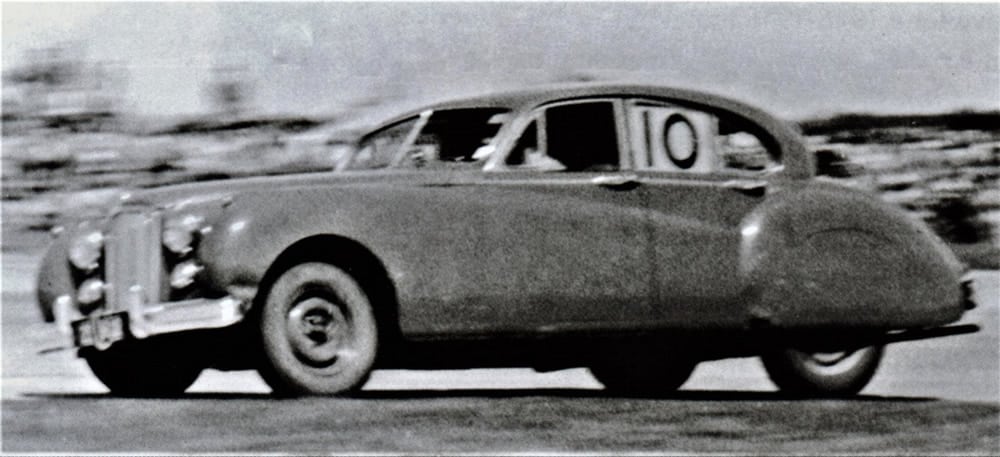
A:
[133,258]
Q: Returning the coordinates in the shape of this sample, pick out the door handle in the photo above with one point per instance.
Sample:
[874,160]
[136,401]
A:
[749,187]
[616,182]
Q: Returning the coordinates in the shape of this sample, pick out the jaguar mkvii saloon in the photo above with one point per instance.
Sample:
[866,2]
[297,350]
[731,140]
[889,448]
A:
[633,230]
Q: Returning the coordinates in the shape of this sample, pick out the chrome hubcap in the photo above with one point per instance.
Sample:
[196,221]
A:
[834,363]
[830,358]
[318,331]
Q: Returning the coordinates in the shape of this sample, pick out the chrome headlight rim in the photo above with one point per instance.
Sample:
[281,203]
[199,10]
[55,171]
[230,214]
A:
[184,274]
[179,233]
[90,292]
[86,250]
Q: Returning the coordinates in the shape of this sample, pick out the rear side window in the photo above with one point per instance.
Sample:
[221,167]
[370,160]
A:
[678,139]
[743,146]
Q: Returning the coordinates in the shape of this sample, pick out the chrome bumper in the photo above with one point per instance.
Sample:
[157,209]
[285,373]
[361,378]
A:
[100,330]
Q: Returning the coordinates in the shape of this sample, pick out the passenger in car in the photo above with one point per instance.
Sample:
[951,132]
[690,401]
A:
[538,160]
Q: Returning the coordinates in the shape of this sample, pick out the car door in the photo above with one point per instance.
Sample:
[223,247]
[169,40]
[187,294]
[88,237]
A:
[702,173]
[564,244]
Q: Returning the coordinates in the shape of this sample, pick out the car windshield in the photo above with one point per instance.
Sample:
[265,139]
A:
[455,138]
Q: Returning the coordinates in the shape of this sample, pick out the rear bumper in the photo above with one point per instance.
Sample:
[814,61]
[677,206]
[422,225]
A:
[101,330]
[967,293]
[927,333]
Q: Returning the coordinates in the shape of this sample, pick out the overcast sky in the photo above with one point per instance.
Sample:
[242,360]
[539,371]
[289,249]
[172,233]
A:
[796,60]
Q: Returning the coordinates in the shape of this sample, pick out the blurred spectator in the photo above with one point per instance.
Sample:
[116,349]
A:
[834,164]
[957,220]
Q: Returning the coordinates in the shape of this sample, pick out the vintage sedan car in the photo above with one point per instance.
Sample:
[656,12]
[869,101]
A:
[630,229]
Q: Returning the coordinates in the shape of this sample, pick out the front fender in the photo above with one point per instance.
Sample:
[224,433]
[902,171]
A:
[255,229]
[236,253]
[55,277]
[55,274]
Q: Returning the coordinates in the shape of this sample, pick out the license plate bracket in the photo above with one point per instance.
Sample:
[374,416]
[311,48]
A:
[100,331]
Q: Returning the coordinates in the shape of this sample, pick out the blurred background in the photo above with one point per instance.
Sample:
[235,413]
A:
[903,99]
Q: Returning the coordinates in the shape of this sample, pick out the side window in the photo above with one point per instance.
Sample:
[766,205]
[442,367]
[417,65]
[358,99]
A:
[671,138]
[571,137]
[378,149]
[455,139]
[583,136]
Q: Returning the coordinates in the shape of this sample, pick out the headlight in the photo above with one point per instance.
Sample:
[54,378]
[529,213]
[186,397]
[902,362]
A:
[90,292]
[85,250]
[178,233]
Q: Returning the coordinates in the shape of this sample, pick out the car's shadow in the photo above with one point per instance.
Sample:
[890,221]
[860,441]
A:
[680,395]
[567,393]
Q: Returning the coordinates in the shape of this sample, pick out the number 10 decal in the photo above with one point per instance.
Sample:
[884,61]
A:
[680,139]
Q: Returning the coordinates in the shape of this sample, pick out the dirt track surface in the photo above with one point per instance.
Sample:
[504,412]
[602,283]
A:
[530,421]
[929,397]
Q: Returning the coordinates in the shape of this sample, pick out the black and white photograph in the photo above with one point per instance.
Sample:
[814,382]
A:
[500,228]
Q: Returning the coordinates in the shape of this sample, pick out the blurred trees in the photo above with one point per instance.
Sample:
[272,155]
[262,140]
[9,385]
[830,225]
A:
[60,87]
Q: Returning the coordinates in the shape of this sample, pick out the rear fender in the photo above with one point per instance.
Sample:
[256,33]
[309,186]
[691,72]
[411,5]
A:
[822,255]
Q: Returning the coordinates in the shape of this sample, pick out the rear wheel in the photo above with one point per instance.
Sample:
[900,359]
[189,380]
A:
[144,368]
[643,376]
[822,374]
[318,332]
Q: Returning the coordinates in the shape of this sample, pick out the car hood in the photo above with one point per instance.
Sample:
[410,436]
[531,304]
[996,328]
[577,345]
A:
[181,194]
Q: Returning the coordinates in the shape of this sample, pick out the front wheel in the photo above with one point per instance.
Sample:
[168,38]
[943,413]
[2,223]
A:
[822,374]
[318,332]
[144,368]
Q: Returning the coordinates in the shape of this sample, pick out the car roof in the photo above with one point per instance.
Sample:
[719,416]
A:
[528,98]
[793,148]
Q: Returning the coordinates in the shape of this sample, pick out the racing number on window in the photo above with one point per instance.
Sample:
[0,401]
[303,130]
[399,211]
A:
[680,140]
[673,140]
